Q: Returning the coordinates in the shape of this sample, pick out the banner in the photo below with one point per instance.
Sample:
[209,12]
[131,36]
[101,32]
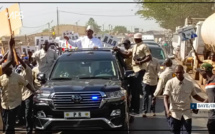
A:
[109,41]
[15,16]
[41,40]
[71,35]
[26,49]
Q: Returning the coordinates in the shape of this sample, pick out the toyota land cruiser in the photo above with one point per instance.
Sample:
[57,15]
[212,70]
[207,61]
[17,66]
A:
[85,90]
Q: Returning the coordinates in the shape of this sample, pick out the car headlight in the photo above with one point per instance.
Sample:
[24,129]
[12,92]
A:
[116,95]
[161,67]
[43,97]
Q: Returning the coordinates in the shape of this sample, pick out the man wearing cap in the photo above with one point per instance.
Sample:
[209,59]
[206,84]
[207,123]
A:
[178,91]
[140,57]
[206,72]
[127,54]
[44,58]
[87,41]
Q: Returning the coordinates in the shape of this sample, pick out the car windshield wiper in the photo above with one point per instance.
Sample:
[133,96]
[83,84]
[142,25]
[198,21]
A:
[61,78]
[92,77]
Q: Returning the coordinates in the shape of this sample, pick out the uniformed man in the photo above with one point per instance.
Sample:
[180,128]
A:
[206,72]
[4,66]
[87,41]
[178,91]
[127,54]
[11,97]
[166,75]
[27,96]
[44,58]
[140,57]
[150,80]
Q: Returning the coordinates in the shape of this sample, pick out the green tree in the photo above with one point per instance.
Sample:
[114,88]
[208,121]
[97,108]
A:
[92,22]
[46,30]
[120,29]
[171,15]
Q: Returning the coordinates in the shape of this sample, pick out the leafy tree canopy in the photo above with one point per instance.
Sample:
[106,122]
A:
[92,22]
[171,15]
[120,29]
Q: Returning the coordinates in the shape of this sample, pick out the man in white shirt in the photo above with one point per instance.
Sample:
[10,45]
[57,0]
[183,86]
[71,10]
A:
[178,91]
[150,80]
[87,41]
[45,58]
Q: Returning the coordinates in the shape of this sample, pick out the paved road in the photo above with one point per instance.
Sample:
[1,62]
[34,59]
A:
[158,124]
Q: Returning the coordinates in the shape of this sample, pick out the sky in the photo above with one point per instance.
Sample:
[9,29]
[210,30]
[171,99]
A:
[39,14]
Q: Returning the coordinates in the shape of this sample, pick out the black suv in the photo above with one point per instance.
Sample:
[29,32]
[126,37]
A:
[85,90]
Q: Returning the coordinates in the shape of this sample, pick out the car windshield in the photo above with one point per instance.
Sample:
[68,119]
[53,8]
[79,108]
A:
[84,69]
[158,53]
[151,43]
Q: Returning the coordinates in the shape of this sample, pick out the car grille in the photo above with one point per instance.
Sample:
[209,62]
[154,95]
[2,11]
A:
[63,101]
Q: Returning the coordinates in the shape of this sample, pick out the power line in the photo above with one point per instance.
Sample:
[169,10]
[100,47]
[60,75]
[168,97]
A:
[38,26]
[98,15]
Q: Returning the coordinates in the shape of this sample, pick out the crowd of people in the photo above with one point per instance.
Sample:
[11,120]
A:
[176,89]
[20,85]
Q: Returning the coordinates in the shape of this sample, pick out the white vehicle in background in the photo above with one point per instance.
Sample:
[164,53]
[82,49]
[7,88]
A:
[176,42]
[148,38]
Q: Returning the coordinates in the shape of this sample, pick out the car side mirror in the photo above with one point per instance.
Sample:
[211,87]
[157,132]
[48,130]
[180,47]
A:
[128,73]
[41,77]
[171,56]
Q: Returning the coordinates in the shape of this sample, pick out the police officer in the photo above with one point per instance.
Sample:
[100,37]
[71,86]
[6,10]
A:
[140,57]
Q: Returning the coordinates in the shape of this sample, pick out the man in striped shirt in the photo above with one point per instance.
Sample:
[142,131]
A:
[206,70]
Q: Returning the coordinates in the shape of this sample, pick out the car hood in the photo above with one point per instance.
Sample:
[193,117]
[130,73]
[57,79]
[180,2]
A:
[82,85]
[161,61]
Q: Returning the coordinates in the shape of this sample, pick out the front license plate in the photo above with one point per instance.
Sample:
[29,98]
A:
[76,114]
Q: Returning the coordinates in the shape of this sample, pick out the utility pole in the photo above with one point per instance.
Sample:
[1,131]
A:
[58,23]
[49,26]
[76,26]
